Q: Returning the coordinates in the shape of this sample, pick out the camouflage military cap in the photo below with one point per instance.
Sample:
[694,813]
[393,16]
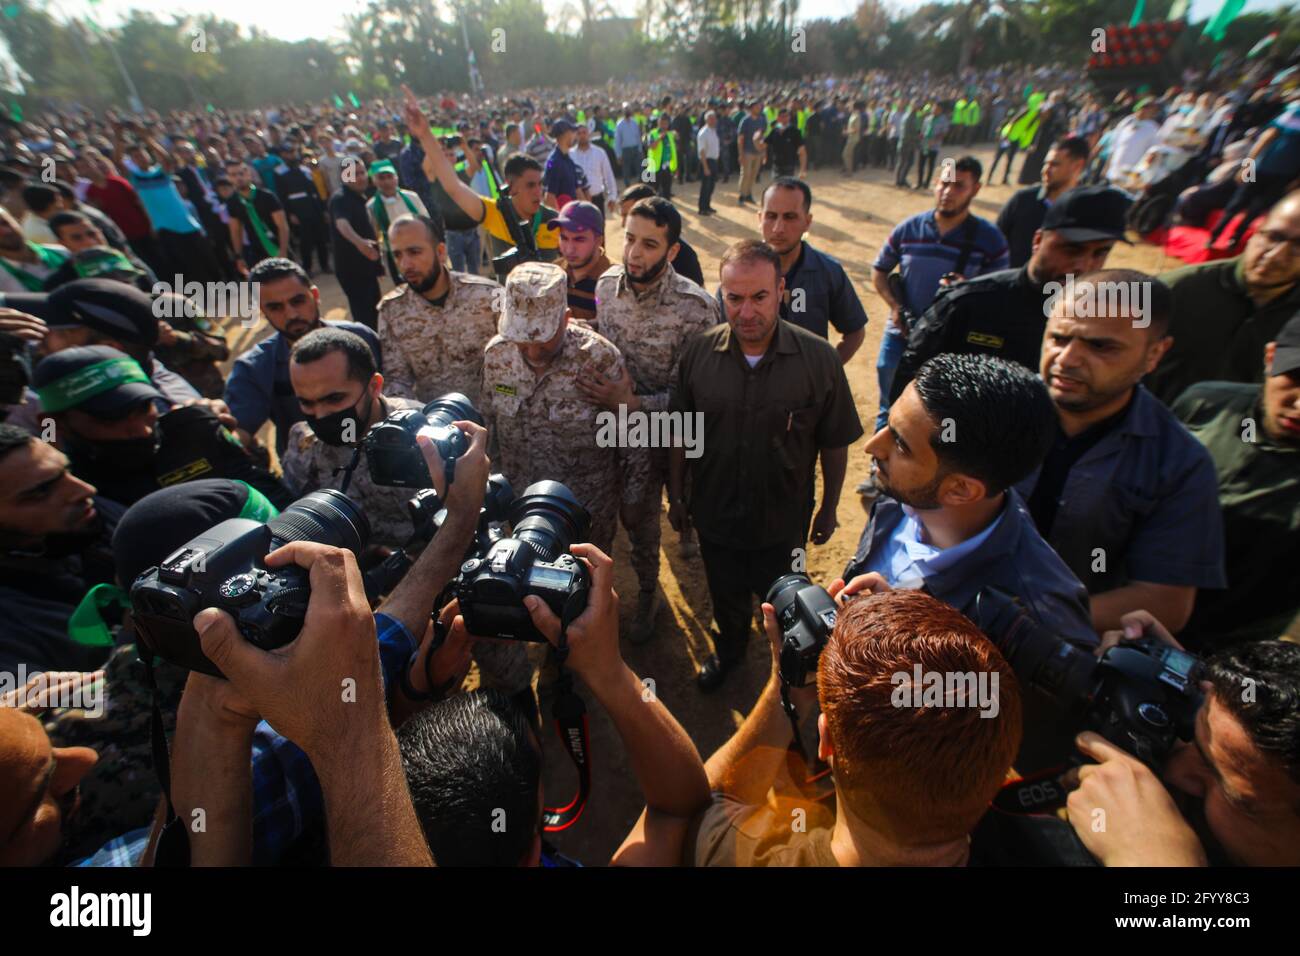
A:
[536,297]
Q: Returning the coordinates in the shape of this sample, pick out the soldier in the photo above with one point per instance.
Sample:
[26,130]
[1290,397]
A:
[649,312]
[342,394]
[546,426]
[437,323]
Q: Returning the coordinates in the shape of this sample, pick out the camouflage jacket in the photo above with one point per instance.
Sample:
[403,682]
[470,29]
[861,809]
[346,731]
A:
[546,428]
[431,350]
[651,330]
[310,464]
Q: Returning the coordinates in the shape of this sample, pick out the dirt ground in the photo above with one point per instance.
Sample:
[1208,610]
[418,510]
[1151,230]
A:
[852,218]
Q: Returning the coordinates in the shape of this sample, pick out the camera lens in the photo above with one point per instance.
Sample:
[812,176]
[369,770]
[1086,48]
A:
[782,594]
[452,407]
[549,518]
[326,517]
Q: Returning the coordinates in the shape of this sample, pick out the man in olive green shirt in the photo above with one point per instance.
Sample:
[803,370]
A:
[1253,435]
[772,398]
[1224,312]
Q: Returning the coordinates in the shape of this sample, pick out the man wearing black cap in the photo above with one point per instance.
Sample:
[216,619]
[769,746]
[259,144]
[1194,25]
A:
[1004,313]
[1252,432]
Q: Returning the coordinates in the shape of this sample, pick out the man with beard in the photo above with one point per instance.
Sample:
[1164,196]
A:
[685,260]
[1004,313]
[1253,434]
[582,247]
[258,228]
[948,519]
[1125,496]
[1233,793]
[54,546]
[302,204]
[259,388]
[342,394]
[119,431]
[545,424]
[818,293]
[433,328]
[947,242]
[1023,214]
[650,313]
[772,399]
[1225,312]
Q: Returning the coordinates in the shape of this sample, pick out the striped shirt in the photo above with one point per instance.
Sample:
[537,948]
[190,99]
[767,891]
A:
[923,256]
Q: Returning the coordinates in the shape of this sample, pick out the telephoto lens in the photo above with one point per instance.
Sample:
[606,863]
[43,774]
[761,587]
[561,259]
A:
[806,615]
[546,520]
[225,568]
[394,458]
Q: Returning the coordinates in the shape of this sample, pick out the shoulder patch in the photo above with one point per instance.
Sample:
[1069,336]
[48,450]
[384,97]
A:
[506,389]
[986,340]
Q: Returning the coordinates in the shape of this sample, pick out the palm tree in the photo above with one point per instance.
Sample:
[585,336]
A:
[965,20]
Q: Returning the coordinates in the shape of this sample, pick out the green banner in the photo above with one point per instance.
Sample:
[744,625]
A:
[1218,25]
[1137,14]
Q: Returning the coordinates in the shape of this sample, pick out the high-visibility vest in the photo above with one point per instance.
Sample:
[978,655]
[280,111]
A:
[655,152]
[801,120]
[973,113]
[959,113]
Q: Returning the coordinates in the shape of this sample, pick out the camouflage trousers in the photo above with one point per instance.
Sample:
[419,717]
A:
[645,471]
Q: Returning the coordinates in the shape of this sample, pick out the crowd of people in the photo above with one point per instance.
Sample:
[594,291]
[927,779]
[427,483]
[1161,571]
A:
[1115,453]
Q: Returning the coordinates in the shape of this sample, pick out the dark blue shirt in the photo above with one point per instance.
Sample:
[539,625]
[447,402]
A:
[259,386]
[562,176]
[818,294]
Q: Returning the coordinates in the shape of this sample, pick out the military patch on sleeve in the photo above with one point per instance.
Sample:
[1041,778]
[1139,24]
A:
[506,389]
[988,341]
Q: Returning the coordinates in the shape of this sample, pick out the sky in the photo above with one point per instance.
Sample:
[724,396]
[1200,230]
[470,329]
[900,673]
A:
[288,21]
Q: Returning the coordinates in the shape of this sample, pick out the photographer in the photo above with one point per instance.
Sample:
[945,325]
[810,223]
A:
[910,782]
[457,791]
[948,519]
[1234,792]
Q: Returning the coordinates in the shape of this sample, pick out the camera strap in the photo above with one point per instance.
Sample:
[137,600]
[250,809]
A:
[796,745]
[348,469]
[570,716]
[173,847]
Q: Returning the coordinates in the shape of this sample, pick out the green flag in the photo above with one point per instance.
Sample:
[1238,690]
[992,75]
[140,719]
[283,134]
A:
[1218,25]
[1137,14]
[352,97]
[338,101]
[15,111]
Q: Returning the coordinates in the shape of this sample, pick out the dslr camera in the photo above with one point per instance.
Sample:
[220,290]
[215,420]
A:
[806,615]
[1140,695]
[535,559]
[223,568]
[394,458]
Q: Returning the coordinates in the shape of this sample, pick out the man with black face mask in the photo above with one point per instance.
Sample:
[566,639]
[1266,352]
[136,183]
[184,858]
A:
[119,431]
[342,394]
[433,327]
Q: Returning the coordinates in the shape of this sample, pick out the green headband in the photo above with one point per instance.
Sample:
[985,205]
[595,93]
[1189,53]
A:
[71,390]
[257,507]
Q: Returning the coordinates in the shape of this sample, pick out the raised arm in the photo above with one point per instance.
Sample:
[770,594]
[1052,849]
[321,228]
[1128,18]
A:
[437,164]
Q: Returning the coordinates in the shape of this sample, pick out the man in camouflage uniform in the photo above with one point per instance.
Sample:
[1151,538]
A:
[545,425]
[649,312]
[437,323]
[333,374]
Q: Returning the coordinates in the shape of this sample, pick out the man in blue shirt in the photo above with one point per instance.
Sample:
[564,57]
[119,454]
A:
[259,388]
[944,245]
[948,521]
[562,179]
[627,144]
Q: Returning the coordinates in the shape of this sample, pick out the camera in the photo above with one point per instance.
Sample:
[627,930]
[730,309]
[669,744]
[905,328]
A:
[535,559]
[1140,695]
[223,568]
[806,615]
[394,458]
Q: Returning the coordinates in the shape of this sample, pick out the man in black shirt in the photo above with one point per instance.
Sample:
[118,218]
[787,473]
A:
[1023,214]
[357,263]
[258,228]
[785,144]
[297,191]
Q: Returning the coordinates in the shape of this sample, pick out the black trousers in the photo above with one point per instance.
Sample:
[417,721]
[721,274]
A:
[664,182]
[190,255]
[707,181]
[735,575]
[363,294]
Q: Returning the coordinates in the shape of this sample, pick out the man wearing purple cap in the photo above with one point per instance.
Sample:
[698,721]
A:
[582,241]
[563,179]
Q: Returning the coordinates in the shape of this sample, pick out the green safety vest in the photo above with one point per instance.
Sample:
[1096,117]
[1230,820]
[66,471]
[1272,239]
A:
[801,119]
[657,148]
[959,113]
[973,113]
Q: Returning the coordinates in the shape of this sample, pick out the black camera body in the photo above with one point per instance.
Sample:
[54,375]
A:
[491,587]
[807,615]
[1140,695]
[428,514]
[391,451]
[223,568]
